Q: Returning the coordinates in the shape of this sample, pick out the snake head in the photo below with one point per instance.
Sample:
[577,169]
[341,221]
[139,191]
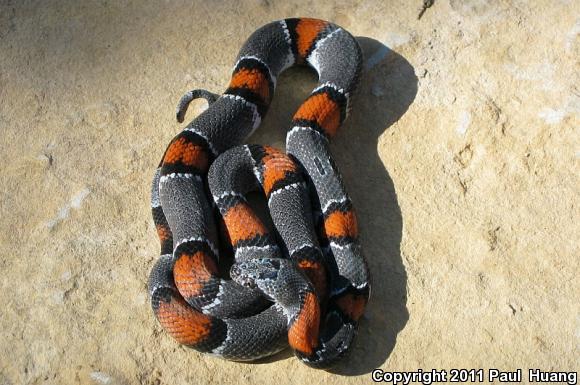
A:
[257,273]
[278,279]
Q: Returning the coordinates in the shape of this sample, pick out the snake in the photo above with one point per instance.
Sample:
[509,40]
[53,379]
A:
[301,281]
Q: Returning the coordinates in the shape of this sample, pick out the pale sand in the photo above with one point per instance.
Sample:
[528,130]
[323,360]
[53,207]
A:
[461,155]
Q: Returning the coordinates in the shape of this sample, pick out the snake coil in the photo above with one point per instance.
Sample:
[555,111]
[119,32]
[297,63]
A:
[306,283]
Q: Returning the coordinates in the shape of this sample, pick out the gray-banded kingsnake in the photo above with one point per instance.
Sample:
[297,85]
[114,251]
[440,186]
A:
[306,283]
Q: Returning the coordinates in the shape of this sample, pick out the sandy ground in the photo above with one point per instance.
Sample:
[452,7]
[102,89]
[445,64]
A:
[461,156]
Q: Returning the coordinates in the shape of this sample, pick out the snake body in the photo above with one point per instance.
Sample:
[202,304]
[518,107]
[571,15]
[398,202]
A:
[306,282]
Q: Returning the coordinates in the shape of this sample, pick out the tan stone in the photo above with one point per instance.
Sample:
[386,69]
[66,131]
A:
[461,155]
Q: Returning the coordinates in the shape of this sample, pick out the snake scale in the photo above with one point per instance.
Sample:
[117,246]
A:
[304,283]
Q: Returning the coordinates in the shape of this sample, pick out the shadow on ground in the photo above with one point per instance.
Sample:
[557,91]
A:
[388,87]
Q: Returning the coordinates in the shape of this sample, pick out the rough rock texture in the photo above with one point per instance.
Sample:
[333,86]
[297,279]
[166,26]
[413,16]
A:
[461,155]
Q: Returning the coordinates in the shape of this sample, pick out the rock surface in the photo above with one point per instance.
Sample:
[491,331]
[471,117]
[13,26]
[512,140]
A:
[461,155]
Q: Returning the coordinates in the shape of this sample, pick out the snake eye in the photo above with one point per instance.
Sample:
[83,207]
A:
[269,274]
[272,263]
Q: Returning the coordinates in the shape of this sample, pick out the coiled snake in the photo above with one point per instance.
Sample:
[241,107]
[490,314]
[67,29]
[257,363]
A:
[305,283]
